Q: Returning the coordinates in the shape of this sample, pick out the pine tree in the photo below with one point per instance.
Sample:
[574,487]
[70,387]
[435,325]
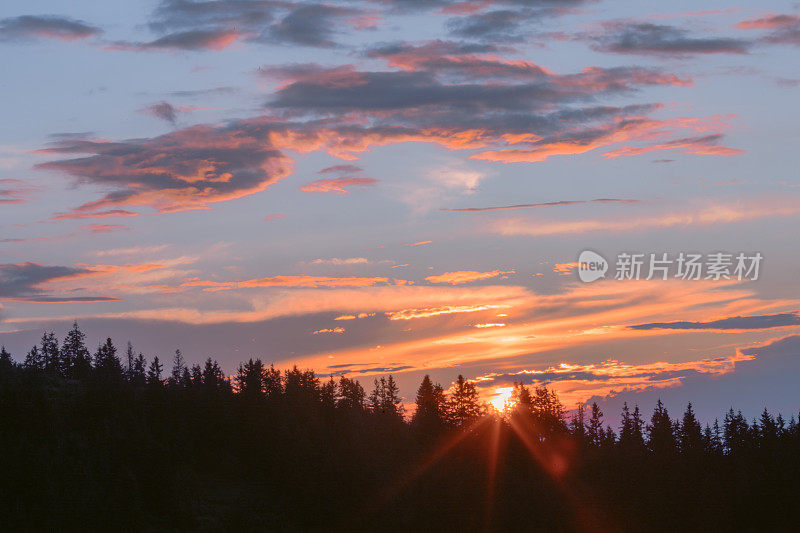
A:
[273,385]
[429,414]
[6,363]
[327,394]
[130,356]
[178,366]
[690,433]
[138,373]
[594,429]
[735,432]
[50,353]
[577,425]
[213,377]
[250,378]
[33,360]
[197,375]
[108,367]
[463,406]
[626,426]
[768,430]
[661,431]
[385,398]
[351,394]
[75,358]
[521,399]
[154,373]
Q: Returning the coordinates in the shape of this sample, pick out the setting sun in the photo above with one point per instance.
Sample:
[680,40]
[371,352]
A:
[502,398]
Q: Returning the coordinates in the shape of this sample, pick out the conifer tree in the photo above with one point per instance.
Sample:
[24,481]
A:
[50,353]
[33,360]
[154,373]
[107,364]
[130,356]
[327,394]
[250,378]
[178,366]
[594,429]
[138,373]
[463,405]
[430,410]
[273,385]
[690,433]
[75,358]
[385,398]
[6,364]
[661,431]
[351,394]
[577,425]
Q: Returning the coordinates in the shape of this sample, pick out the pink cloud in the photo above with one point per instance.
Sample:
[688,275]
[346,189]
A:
[105,228]
[337,185]
[465,276]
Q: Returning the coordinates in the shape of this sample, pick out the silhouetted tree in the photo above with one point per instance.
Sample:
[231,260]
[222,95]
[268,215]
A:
[463,406]
[213,377]
[50,353]
[250,378]
[75,357]
[577,426]
[107,366]
[431,407]
[154,373]
[273,385]
[690,434]
[735,432]
[33,360]
[197,375]
[385,398]
[327,394]
[138,373]
[351,394]
[7,365]
[178,367]
[130,357]
[521,399]
[630,431]
[661,432]
[594,429]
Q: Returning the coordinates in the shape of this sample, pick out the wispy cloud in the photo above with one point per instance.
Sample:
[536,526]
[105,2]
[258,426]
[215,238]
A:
[466,276]
[558,203]
[778,320]
[32,27]
[703,215]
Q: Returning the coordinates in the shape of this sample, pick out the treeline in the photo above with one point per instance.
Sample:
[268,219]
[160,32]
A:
[108,439]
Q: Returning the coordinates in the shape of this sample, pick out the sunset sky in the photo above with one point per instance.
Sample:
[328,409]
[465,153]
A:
[404,186]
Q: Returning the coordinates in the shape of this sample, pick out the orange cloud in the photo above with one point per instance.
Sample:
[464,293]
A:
[411,314]
[287,281]
[575,383]
[771,22]
[705,145]
[329,330]
[105,228]
[622,129]
[337,185]
[465,276]
[563,269]
[702,216]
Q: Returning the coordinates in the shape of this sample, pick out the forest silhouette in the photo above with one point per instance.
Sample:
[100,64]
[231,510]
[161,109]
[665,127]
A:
[108,440]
